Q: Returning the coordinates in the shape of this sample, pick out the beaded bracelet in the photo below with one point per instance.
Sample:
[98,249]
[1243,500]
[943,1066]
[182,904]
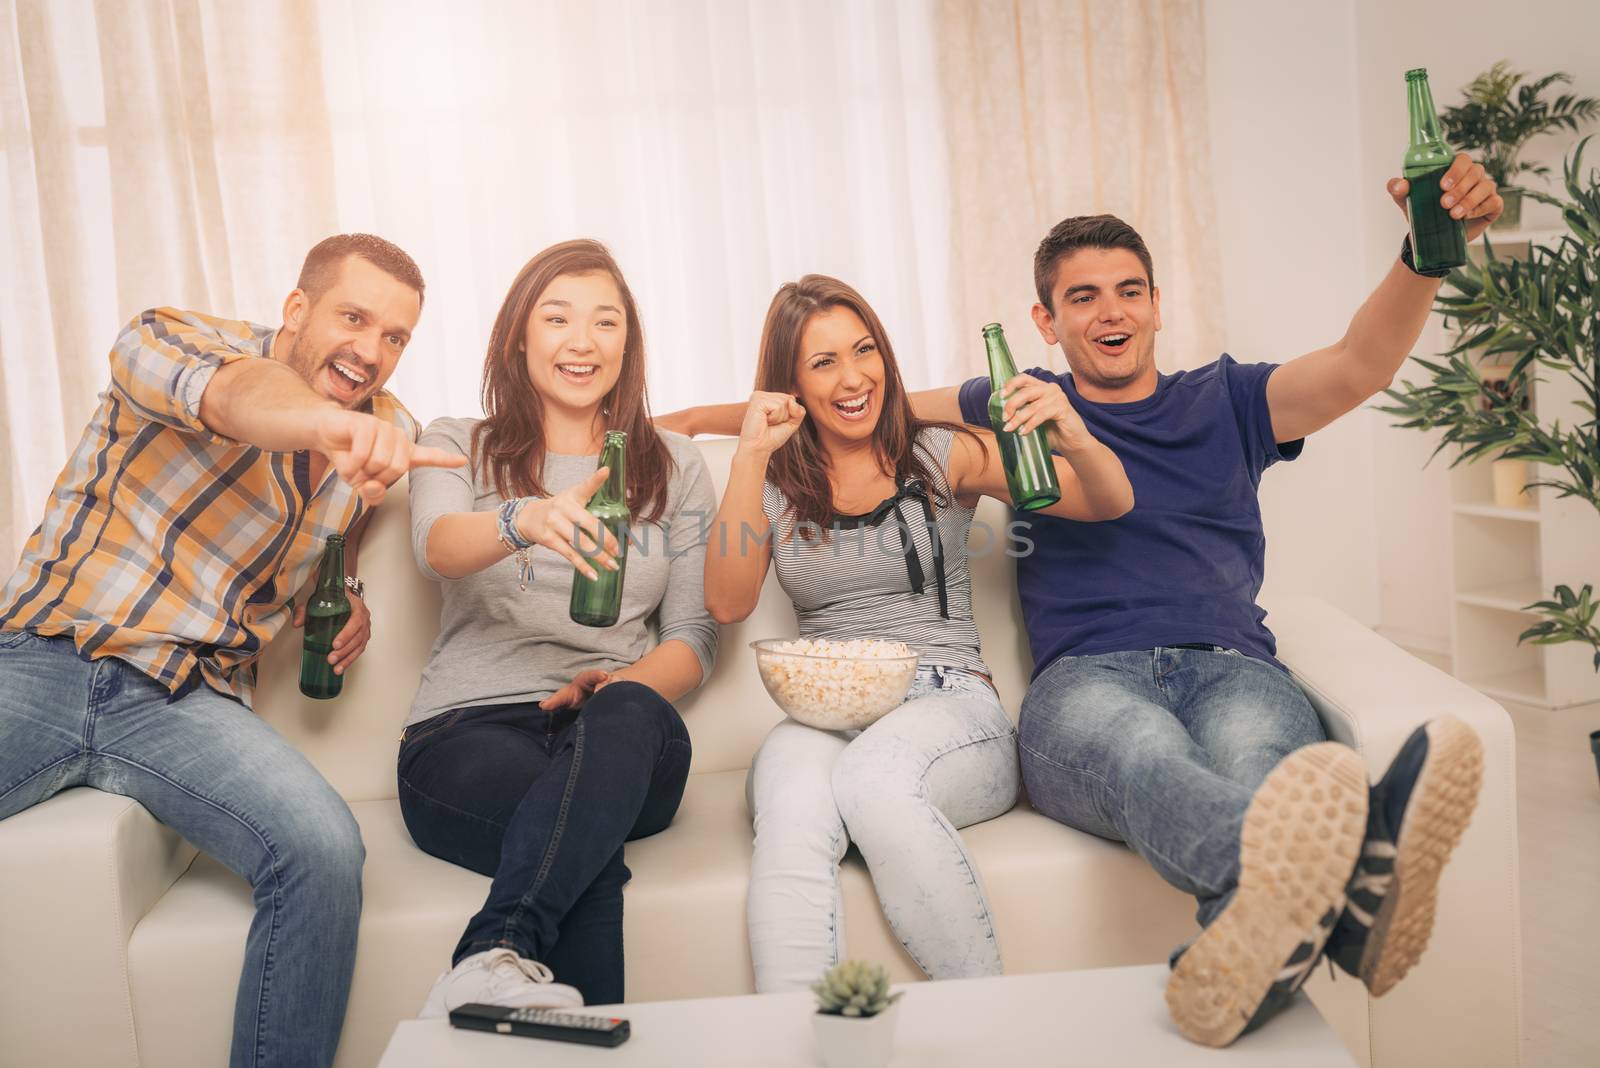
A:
[512,539]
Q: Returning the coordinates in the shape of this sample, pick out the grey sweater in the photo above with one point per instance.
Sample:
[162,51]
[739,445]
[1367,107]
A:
[498,644]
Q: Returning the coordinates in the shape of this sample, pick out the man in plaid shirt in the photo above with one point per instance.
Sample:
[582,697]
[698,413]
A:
[196,503]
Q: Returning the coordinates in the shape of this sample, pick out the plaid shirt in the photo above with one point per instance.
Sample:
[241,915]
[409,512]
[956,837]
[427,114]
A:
[165,544]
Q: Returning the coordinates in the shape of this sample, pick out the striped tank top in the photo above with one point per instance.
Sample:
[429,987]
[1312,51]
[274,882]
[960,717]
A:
[859,583]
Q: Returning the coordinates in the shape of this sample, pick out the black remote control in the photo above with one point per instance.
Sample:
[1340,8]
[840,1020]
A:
[542,1023]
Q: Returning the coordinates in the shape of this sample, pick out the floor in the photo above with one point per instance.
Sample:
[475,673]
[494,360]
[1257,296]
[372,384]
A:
[1558,816]
[1558,824]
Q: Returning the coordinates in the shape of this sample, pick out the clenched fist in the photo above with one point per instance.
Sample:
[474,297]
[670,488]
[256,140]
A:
[769,421]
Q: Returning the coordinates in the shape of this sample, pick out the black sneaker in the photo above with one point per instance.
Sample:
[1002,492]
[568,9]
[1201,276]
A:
[1418,812]
[1300,838]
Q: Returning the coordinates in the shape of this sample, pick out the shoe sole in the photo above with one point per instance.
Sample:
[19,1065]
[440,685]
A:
[1301,836]
[1437,814]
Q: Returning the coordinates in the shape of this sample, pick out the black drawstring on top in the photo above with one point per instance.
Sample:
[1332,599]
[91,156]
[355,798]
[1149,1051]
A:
[908,489]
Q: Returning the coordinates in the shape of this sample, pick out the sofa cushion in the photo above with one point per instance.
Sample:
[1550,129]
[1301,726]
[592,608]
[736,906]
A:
[1061,900]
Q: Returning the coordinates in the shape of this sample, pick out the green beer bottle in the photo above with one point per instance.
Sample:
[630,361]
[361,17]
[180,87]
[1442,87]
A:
[597,602]
[1030,473]
[1438,242]
[326,615]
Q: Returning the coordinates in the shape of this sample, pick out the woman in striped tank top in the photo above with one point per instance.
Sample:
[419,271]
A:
[830,462]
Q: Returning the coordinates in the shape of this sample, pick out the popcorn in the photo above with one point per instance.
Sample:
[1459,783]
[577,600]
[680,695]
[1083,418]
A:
[834,685]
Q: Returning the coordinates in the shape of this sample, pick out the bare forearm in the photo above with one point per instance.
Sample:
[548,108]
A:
[1100,475]
[940,405]
[679,422]
[721,419]
[670,669]
[1385,329]
[736,565]
[265,404]
[464,543]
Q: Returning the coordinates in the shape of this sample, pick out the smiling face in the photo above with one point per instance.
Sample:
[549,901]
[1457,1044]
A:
[839,375]
[346,341]
[1105,316]
[574,341]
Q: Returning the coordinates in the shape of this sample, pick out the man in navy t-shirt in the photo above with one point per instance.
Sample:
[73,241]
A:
[1157,714]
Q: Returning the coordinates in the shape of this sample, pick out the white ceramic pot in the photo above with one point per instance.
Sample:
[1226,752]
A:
[856,1041]
[1509,477]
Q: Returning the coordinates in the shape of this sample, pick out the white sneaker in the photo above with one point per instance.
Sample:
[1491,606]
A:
[498,977]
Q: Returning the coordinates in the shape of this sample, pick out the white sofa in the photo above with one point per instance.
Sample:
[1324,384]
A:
[119,946]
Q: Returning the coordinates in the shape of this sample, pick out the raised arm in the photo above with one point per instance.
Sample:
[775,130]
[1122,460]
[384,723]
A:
[194,373]
[723,419]
[942,405]
[1311,391]
[740,545]
[265,404]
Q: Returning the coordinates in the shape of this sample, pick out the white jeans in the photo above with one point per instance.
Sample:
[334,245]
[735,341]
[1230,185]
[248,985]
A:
[947,758]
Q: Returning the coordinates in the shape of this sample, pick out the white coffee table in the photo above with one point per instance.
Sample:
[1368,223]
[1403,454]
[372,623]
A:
[1112,1016]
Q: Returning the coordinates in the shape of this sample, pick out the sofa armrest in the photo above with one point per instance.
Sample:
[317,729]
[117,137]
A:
[1462,1004]
[80,871]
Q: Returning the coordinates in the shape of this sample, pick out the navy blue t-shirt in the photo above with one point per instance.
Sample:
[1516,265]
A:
[1185,564]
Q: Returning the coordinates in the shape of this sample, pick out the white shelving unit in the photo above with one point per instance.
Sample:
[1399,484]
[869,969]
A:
[1503,559]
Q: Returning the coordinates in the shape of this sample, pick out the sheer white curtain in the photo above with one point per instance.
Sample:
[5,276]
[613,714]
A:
[189,151]
[718,148]
[1058,108]
[156,152]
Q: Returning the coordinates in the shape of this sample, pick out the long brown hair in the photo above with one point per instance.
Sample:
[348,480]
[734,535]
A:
[510,441]
[800,467]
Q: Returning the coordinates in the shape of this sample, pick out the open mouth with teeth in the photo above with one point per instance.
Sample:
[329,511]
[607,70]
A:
[577,372]
[1113,344]
[348,379]
[854,408]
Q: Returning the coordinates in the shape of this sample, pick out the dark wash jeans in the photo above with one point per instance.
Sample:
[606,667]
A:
[1162,749]
[542,802]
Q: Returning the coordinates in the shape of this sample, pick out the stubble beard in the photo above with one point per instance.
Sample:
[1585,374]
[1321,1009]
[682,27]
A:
[305,363]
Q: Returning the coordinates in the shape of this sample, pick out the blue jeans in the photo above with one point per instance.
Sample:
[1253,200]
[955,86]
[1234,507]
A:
[543,801]
[209,768]
[1162,749]
[900,789]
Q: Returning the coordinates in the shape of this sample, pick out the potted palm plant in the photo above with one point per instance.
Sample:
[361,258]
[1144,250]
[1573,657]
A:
[1502,113]
[854,1021]
[1526,318]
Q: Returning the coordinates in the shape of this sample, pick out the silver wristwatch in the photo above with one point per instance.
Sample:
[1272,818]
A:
[356,586]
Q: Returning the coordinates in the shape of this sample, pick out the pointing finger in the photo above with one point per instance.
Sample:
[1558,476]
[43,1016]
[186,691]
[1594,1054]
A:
[428,456]
[588,486]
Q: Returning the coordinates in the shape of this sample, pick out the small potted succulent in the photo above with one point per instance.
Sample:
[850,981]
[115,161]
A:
[855,1016]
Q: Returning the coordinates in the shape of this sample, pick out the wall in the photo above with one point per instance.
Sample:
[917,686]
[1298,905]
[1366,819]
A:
[1317,92]
[1291,199]
[1410,502]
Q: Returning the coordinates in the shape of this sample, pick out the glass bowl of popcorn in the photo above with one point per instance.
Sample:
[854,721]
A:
[835,685]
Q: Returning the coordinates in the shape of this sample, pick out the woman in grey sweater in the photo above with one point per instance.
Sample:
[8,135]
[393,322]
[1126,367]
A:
[536,746]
